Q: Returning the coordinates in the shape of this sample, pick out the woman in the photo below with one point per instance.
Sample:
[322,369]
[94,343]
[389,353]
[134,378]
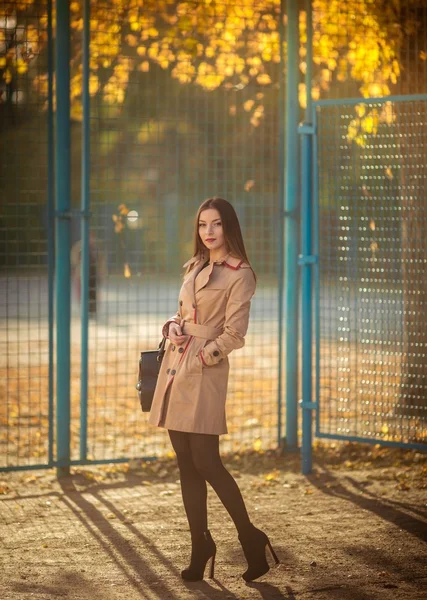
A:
[189,400]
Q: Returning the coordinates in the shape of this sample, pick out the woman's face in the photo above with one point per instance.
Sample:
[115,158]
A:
[210,230]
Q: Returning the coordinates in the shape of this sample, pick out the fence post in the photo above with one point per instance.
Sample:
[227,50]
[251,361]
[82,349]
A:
[63,236]
[307,259]
[50,222]
[291,228]
[85,203]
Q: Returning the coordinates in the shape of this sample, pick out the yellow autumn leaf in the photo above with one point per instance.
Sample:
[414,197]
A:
[360,110]
[273,476]
[248,105]
[263,79]
[127,271]
[257,445]
[135,26]
[374,90]
[302,95]
[76,111]
[387,115]
[21,66]
[93,84]
[368,124]
[131,40]
[352,129]
[315,92]
[389,173]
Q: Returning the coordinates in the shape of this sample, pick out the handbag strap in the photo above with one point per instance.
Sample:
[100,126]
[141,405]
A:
[161,350]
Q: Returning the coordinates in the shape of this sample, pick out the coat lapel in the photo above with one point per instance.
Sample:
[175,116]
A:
[204,278]
[189,283]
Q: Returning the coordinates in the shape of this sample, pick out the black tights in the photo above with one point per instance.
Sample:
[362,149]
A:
[199,462]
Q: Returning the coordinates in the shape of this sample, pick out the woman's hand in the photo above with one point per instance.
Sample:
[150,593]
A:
[175,334]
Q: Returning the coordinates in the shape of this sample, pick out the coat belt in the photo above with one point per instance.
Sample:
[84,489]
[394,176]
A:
[202,331]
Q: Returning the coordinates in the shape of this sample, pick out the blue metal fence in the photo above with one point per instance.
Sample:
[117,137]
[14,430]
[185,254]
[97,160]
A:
[132,172]
[370,254]
[26,244]
[363,209]
[150,148]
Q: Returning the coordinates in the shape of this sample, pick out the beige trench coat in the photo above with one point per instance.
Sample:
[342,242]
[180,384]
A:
[214,312]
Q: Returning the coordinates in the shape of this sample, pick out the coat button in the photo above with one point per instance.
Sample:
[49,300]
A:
[216,353]
[181,350]
[168,371]
[173,348]
[180,302]
[173,372]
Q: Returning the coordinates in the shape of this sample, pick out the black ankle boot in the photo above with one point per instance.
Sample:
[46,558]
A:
[202,550]
[254,543]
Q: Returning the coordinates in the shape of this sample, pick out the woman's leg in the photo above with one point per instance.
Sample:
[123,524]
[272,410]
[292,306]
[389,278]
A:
[207,461]
[193,485]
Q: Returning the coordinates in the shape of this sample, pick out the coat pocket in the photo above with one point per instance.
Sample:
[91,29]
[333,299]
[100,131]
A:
[193,363]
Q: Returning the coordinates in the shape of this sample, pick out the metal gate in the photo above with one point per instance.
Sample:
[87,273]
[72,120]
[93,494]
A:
[129,176]
[368,255]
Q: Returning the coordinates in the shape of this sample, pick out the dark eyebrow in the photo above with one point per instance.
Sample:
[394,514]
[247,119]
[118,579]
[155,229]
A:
[201,220]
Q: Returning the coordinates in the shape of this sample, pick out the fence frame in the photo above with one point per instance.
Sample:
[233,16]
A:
[310,262]
[299,182]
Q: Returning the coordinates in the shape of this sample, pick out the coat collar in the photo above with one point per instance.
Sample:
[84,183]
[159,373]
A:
[228,261]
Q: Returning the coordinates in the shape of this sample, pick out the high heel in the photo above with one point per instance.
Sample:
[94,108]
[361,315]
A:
[202,550]
[254,544]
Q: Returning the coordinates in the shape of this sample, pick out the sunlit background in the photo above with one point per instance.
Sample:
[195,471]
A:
[187,102]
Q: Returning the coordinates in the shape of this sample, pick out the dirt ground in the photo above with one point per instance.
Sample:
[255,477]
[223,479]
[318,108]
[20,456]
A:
[355,529]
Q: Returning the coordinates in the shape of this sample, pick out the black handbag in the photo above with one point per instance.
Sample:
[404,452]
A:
[149,367]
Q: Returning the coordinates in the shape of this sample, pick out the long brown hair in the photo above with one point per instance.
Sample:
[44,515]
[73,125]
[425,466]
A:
[231,228]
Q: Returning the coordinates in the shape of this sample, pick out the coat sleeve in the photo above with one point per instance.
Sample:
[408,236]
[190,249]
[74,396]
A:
[236,320]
